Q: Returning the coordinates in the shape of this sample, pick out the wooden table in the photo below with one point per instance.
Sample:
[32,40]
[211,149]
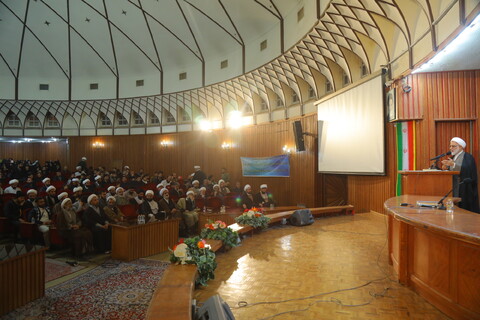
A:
[143,240]
[436,254]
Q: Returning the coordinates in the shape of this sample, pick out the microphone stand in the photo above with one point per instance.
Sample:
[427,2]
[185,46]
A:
[434,165]
[440,205]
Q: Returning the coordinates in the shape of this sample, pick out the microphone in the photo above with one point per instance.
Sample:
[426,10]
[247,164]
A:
[440,205]
[442,155]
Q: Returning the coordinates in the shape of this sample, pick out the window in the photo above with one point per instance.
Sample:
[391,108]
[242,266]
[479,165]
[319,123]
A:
[364,70]
[346,79]
[153,118]
[105,121]
[263,106]
[328,86]
[169,118]
[43,86]
[137,120]
[13,121]
[182,76]
[311,93]
[32,121]
[52,122]
[121,120]
[295,97]
[93,86]
[224,64]
[185,116]
[279,102]
[300,14]
[139,83]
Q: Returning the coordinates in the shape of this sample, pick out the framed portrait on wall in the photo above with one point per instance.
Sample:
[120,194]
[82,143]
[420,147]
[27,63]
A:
[391,104]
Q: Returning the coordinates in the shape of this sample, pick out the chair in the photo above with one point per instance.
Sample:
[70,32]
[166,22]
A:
[200,203]
[129,211]
[214,203]
[231,201]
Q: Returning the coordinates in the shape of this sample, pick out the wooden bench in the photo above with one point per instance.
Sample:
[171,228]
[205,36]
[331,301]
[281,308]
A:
[174,294]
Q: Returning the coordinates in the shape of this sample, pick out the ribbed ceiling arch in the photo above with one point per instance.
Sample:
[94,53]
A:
[70,45]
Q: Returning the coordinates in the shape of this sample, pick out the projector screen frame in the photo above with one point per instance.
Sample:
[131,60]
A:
[383,74]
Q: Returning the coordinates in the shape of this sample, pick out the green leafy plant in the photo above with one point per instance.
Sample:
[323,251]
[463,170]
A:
[218,230]
[195,251]
[253,217]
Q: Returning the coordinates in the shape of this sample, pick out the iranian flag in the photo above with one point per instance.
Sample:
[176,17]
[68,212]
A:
[405,149]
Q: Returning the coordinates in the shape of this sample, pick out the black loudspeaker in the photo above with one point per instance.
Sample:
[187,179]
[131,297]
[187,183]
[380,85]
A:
[298,132]
[214,308]
[301,218]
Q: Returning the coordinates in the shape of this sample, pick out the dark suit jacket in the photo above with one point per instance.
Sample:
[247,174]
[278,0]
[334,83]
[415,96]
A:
[91,217]
[469,191]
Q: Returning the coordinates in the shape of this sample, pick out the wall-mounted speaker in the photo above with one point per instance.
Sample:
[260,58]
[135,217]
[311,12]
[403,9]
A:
[298,132]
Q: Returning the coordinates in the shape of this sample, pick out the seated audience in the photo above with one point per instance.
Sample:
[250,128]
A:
[264,198]
[98,223]
[139,198]
[223,187]
[46,183]
[247,198]
[111,191]
[112,211]
[42,217]
[189,213]
[238,188]
[102,199]
[167,205]
[150,208]
[57,208]
[51,197]
[13,212]
[13,188]
[120,196]
[31,199]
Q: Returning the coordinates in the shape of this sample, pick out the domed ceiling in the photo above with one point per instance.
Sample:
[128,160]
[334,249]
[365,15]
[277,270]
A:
[94,67]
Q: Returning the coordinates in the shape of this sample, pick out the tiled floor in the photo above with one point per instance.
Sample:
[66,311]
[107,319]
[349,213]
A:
[340,262]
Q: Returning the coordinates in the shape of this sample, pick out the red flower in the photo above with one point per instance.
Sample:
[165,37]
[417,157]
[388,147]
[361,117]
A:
[211,226]
[181,240]
[174,247]
[258,215]
[201,244]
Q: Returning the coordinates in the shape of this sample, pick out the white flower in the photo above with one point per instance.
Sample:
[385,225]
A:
[181,251]
[250,213]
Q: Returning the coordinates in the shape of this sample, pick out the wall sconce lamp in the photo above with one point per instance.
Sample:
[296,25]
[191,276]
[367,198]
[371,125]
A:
[286,149]
[98,144]
[165,143]
[226,146]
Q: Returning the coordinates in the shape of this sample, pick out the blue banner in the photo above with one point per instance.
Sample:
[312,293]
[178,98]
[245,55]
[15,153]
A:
[278,166]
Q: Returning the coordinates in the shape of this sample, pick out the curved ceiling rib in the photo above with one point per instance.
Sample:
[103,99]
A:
[349,35]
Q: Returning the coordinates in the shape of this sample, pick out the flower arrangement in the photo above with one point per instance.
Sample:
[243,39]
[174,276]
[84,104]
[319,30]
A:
[218,230]
[253,217]
[195,251]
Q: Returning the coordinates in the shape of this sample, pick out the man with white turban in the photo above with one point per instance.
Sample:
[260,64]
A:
[13,187]
[98,222]
[264,198]
[465,163]
[149,207]
[247,197]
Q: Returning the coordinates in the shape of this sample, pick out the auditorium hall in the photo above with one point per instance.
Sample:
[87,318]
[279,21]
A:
[225,159]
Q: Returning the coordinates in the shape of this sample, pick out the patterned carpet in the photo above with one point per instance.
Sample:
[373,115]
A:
[114,290]
[55,269]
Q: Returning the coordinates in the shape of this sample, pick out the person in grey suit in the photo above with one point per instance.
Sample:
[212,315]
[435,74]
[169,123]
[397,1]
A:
[465,163]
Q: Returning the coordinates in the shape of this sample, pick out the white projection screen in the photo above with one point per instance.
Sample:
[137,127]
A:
[351,137]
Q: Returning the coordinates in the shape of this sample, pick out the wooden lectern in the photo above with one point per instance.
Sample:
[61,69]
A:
[427,183]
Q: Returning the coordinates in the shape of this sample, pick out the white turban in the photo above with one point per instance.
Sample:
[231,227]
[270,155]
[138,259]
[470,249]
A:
[111,188]
[149,192]
[98,178]
[32,191]
[77,174]
[77,189]
[190,192]
[195,181]
[75,180]
[460,141]
[160,185]
[126,167]
[111,197]
[51,188]
[45,180]
[64,202]
[62,195]
[84,158]
[263,186]
[118,189]
[163,191]
[91,197]
[220,181]
[246,187]
[78,167]
[85,181]
[13,181]
[196,167]
[216,185]
[202,188]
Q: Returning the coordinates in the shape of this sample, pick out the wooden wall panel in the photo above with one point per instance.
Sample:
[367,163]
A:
[35,151]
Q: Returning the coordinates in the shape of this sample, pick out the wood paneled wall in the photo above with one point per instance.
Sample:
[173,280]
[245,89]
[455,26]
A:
[35,151]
